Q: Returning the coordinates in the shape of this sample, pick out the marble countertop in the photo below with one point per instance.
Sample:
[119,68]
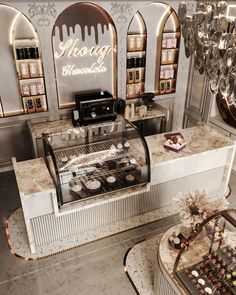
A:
[191,256]
[32,176]
[155,113]
[199,139]
[37,129]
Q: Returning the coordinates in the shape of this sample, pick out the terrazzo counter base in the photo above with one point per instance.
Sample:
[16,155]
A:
[140,265]
[19,245]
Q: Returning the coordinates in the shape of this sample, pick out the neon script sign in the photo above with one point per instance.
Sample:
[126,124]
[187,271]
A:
[71,49]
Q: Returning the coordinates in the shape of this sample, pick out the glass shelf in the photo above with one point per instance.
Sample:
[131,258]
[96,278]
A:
[31,78]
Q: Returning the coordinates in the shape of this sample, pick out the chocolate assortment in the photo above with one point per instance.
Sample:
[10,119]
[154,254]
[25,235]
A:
[215,274]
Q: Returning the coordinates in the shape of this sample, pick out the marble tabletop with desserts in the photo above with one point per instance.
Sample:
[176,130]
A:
[204,267]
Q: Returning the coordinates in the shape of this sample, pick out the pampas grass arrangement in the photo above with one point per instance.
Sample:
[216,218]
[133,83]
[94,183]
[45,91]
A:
[196,206]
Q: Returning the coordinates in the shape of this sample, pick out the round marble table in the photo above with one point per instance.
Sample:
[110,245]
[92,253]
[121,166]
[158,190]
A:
[164,280]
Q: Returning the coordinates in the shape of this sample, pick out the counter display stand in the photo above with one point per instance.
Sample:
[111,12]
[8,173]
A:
[206,262]
[206,162]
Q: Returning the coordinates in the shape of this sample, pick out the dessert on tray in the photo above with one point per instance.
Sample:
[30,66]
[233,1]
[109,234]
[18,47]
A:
[174,142]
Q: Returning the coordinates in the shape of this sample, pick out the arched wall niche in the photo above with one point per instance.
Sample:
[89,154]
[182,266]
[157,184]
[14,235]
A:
[136,56]
[16,31]
[168,57]
[155,19]
[84,47]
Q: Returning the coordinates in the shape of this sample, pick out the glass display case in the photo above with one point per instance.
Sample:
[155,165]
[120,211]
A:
[94,160]
[206,263]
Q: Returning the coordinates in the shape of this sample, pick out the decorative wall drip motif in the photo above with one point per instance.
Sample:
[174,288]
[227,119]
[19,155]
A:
[121,10]
[43,12]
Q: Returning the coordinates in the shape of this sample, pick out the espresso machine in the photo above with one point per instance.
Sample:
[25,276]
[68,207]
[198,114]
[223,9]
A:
[94,107]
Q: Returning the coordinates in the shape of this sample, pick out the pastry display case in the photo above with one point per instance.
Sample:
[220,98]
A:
[94,160]
[206,262]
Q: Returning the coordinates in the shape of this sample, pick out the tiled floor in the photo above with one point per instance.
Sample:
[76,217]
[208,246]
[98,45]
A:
[96,268]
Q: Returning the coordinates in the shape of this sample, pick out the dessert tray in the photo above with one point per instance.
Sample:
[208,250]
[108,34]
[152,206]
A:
[206,262]
[174,142]
[215,274]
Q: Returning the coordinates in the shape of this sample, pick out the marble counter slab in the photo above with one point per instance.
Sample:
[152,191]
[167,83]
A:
[199,139]
[32,176]
[155,113]
[37,129]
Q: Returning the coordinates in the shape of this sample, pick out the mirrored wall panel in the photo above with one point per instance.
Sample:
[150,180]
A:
[84,48]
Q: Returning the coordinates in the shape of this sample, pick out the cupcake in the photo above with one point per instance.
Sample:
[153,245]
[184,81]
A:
[120,146]
[123,162]
[75,185]
[133,161]
[126,145]
[93,185]
[112,147]
[130,178]
[64,159]
[76,188]
[111,180]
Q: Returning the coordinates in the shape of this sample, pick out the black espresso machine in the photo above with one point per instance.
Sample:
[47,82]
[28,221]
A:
[94,107]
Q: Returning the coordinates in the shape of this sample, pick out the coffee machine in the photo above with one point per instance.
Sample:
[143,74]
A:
[94,107]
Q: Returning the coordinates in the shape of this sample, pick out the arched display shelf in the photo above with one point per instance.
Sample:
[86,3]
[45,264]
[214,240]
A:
[22,87]
[84,46]
[169,38]
[155,22]
[136,57]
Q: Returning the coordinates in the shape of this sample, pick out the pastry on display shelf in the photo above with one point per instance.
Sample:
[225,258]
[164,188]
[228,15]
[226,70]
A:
[75,185]
[111,180]
[127,145]
[119,146]
[93,185]
[133,161]
[112,147]
[130,178]
[64,159]
[124,162]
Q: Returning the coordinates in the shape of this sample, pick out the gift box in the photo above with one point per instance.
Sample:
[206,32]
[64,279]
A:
[174,142]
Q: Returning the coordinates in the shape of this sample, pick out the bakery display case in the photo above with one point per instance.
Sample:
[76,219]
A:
[94,160]
[206,263]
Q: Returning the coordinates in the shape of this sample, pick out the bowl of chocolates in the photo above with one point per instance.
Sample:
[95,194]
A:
[174,142]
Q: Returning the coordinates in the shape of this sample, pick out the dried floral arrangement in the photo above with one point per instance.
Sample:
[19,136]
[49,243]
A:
[196,206]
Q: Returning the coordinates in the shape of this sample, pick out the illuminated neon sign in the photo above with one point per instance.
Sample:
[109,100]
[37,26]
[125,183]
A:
[71,49]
